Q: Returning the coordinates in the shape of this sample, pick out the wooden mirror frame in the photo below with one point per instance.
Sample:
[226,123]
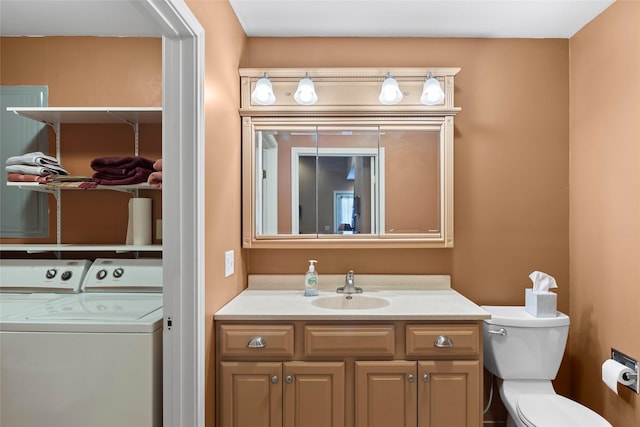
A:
[347,96]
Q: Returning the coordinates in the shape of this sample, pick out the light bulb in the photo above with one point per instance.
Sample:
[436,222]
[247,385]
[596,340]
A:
[306,92]
[305,96]
[390,92]
[432,93]
[263,92]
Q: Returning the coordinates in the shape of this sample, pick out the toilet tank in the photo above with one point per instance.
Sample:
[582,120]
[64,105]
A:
[519,346]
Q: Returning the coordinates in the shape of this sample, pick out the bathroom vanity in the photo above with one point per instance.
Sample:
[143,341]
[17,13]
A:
[405,352]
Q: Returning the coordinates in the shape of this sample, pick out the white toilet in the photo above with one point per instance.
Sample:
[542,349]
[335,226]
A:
[525,352]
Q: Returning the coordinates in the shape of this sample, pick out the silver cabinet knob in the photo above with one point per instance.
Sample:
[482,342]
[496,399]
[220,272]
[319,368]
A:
[274,379]
[288,379]
[443,341]
[256,342]
[426,378]
[411,378]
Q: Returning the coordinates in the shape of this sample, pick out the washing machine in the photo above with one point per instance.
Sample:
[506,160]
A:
[89,359]
[26,284]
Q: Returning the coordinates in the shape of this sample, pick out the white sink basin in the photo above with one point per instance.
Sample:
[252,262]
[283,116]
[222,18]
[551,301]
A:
[350,302]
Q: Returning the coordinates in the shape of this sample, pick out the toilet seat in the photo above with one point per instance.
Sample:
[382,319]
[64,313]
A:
[553,410]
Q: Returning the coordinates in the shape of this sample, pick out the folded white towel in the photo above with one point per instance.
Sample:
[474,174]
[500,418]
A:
[36,170]
[37,158]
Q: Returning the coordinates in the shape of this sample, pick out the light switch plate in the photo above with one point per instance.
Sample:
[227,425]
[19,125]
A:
[228,263]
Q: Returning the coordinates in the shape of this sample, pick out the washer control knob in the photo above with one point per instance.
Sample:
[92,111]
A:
[118,272]
[66,275]
[51,273]
[101,274]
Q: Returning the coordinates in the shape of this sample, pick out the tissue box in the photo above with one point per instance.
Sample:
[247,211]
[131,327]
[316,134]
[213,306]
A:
[540,304]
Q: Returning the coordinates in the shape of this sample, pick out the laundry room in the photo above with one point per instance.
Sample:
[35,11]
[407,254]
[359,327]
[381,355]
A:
[81,264]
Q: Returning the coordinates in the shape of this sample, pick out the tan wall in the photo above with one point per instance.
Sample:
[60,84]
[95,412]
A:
[87,71]
[511,161]
[511,164]
[224,45]
[605,205]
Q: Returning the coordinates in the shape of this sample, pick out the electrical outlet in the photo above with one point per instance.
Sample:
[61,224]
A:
[228,263]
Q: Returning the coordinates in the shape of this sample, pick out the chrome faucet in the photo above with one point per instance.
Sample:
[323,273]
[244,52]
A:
[349,285]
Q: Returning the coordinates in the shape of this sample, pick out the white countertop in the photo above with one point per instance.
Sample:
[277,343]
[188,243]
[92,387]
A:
[421,300]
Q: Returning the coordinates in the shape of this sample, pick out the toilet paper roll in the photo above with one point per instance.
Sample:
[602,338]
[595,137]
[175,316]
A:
[613,373]
[139,226]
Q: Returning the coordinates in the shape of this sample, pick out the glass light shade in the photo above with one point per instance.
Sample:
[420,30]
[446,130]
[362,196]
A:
[390,92]
[306,92]
[263,92]
[432,93]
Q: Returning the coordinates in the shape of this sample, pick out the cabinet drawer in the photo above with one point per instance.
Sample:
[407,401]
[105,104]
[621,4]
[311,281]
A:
[256,340]
[349,340]
[442,340]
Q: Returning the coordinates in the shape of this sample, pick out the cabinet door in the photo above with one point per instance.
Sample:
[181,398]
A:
[313,394]
[449,393]
[386,394]
[251,394]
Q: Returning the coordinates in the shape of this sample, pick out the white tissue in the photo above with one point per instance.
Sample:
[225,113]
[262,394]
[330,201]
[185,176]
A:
[542,282]
[613,373]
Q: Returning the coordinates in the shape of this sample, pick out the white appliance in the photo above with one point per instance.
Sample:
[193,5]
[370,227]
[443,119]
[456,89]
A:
[526,351]
[26,284]
[88,359]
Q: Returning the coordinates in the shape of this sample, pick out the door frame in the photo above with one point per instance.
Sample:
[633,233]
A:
[183,190]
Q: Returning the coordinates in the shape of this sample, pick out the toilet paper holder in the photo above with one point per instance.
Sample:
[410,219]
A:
[629,362]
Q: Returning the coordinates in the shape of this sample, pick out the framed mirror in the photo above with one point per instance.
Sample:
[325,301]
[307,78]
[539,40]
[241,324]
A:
[332,180]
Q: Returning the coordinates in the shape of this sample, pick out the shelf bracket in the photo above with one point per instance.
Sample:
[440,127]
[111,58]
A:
[132,191]
[58,197]
[56,130]
[136,131]
[135,125]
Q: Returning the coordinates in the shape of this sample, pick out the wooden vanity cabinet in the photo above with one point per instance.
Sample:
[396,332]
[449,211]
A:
[275,394]
[424,394]
[360,374]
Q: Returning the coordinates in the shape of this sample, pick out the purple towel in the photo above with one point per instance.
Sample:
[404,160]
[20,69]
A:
[134,176]
[115,164]
[121,170]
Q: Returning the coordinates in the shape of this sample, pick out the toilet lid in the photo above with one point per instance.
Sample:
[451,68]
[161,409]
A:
[553,410]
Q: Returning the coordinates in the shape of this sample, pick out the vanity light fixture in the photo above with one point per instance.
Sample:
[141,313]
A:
[306,92]
[263,92]
[432,93]
[390,92]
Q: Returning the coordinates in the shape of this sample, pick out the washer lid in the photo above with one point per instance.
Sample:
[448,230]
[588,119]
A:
[98,307]
[553,410]
[12,304]
[517,316]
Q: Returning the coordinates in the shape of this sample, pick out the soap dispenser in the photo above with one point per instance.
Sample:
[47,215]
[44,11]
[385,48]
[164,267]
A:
[311,280]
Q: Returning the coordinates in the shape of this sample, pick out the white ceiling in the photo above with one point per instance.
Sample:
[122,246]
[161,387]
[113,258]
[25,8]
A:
[298,18]
[75,18]
[416,18]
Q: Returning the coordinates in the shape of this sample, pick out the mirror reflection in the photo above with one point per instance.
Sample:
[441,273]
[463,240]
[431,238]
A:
[347,182]
[411,194]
